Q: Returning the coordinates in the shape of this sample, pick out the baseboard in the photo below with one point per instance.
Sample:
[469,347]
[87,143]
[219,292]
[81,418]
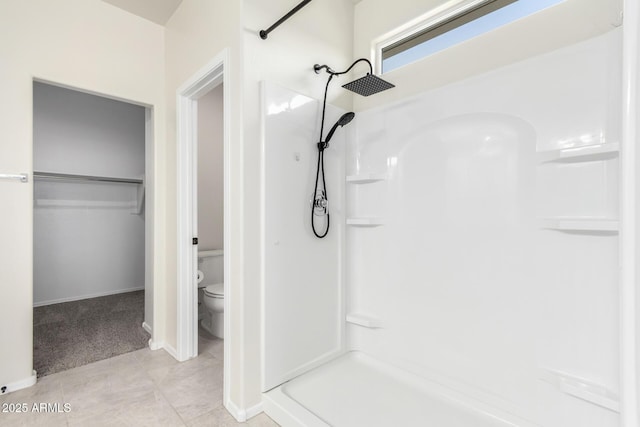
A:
[81,297]
[254,410]
[239,414]
[154,345]
[242,415]
[157,345]
[147,328]
[172,351]
[19,385]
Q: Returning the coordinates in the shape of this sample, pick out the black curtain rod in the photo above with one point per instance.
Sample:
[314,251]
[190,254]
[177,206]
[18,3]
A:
[265,33]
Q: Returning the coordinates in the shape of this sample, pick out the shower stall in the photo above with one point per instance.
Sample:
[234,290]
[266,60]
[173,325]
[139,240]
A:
[472,273]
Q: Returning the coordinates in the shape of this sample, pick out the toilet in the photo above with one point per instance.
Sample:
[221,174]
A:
[211,291]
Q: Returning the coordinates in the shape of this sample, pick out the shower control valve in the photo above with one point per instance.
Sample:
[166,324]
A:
[320,204]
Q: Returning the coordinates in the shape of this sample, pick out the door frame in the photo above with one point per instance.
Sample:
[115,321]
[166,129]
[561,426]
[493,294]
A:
[214,73]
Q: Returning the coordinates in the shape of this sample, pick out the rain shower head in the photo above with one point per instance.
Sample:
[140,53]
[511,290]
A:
[364,86]
[343,120]
[368,85]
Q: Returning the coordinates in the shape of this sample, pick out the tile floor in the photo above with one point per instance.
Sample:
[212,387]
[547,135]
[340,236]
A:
[141,388]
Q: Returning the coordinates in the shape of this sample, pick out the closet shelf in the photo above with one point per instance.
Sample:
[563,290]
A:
[581,154]
[365,222]
[140,196]
[581,224]
[366,178]
[364,320]
[76,177]
[84,204]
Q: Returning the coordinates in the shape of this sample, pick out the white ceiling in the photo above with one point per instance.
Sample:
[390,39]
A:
[158,11]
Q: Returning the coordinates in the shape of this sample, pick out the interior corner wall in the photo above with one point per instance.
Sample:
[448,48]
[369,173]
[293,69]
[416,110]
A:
[321,32]
[197,32]
[561,25]
[107,51]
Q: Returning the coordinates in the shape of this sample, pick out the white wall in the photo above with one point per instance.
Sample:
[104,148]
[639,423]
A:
[566,23]
[80,133]
[210,170]
[472,290]
[106,51]
[320,33]
[197,32]
[86,240]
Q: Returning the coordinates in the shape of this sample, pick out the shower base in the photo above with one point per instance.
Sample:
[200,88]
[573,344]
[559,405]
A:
[356,390]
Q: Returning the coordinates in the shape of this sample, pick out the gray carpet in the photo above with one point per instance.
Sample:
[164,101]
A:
[76,333]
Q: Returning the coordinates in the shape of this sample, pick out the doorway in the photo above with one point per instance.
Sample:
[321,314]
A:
[210,221]
[89,227]
[212,75]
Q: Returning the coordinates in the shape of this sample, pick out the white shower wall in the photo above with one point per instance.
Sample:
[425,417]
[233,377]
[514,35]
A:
[302,308]
[463,263]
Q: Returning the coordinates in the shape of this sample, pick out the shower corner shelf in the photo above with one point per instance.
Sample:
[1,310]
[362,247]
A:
[364,320]
[365,222]
[580,154]
[366,178]
[581,224]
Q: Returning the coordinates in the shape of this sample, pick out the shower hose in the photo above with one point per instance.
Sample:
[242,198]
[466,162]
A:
[320,198]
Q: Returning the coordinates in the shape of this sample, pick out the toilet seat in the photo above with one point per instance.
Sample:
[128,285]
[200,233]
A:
[215,290]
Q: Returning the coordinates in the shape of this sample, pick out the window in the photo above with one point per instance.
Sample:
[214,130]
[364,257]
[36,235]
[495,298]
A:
[454,26]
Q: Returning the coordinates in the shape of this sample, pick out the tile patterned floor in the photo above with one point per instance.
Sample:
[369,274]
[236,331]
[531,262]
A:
[142,388]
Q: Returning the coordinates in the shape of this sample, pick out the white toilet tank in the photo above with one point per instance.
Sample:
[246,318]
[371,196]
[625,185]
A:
[211,264]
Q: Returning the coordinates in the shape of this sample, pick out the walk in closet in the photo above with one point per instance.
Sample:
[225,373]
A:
[88,206]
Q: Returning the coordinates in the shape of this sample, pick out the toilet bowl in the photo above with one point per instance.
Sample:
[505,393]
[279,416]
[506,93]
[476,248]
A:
[211,296]
[213,320]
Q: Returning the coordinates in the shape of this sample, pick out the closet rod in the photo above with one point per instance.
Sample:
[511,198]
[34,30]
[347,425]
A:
[54,175]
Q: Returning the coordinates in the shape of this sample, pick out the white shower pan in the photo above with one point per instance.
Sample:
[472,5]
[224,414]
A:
[357,390]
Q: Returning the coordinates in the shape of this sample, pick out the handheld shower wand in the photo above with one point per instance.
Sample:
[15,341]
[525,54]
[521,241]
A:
[321,199]
[342,121]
